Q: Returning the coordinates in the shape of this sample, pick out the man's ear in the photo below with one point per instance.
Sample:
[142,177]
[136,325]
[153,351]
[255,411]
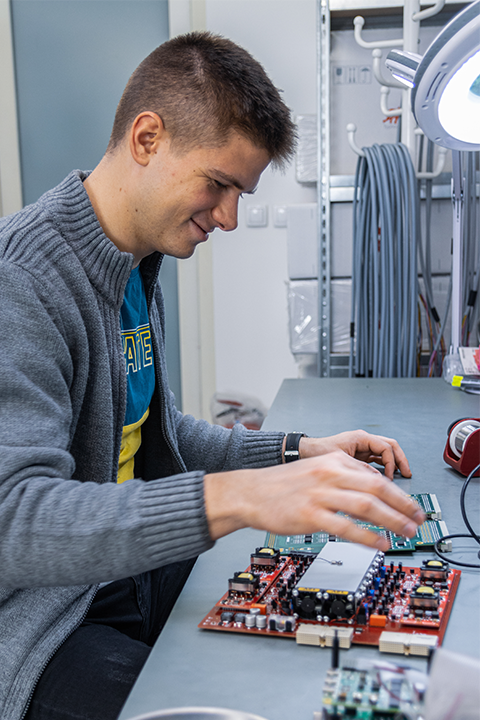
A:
[146,134]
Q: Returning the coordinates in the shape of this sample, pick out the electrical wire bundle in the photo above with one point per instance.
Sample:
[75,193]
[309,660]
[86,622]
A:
[436,325]
[384,321]
[470,262]
[471,255]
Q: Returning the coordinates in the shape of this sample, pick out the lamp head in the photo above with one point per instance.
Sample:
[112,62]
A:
[446,82]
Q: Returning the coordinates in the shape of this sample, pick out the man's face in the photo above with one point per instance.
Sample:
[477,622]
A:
[184,197]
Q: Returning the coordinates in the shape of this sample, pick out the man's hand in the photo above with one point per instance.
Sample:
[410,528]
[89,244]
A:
[362,446]
[305,496]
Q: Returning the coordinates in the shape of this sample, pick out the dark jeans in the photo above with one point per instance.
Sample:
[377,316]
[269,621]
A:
[92,673]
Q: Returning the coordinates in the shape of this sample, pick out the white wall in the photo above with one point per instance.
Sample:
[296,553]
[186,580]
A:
[252,353]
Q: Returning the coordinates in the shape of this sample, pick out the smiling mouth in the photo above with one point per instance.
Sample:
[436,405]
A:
[205,232]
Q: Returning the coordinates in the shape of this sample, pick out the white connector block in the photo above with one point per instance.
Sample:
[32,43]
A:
[322,635]
[407,643]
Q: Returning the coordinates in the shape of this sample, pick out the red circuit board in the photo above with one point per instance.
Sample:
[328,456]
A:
[396,615]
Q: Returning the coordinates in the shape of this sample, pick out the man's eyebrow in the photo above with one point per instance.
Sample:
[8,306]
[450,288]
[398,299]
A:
[230,180]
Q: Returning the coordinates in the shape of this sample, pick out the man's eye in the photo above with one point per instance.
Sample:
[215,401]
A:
[219,185]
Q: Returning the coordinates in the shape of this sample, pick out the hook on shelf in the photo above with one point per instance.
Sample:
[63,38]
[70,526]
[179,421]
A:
[358,23]
[428,12]
[442,154]
[395,112]
[351,130]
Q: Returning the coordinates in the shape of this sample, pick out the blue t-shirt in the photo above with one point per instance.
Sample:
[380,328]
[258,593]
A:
[137,348]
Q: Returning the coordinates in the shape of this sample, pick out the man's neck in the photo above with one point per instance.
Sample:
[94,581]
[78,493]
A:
[109,197]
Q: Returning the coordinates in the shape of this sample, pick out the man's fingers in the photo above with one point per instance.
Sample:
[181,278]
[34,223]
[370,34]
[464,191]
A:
[348,530]
[367,495]
[394,496]
[386,450]
[392,456]
[369,467]
[371,509]
[362,446]
[378,460]
[346,468]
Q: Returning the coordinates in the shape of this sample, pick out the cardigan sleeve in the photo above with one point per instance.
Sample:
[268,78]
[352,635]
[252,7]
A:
[217,449]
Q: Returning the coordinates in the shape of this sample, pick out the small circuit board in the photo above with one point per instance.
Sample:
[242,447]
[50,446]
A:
[375,691]
[425,538]
[346,590]
[429,504]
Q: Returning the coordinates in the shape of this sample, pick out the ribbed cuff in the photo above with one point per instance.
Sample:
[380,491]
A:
[262,449]
[174,523]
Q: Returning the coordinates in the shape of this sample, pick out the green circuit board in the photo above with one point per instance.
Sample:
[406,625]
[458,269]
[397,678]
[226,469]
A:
[424,539]
[369,694]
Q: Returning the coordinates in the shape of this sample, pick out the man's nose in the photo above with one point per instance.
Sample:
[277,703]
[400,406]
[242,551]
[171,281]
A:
[225,213]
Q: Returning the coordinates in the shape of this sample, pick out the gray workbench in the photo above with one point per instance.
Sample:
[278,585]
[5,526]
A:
[276,678]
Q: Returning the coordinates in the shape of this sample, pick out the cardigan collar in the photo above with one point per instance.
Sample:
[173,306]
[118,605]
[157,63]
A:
[107,267]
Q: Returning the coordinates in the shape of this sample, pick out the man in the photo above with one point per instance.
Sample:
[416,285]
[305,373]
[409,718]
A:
[107,492]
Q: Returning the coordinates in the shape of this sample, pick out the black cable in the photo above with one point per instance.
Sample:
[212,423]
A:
[448,559]
[472,533]
[462,505]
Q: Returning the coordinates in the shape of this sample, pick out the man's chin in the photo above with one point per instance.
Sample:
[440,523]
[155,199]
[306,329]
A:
[184,253]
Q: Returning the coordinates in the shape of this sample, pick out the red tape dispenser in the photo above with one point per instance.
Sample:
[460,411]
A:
[462,451]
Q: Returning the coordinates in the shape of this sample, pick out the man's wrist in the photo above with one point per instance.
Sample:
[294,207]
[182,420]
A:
[292,446]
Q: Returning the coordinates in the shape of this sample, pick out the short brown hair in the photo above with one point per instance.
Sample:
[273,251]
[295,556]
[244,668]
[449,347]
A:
[203,86]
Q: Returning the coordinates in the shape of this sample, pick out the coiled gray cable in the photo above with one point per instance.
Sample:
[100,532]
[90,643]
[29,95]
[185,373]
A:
[385,339]
[384,319]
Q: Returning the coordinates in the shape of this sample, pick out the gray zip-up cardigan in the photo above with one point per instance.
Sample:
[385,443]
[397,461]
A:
[65,525]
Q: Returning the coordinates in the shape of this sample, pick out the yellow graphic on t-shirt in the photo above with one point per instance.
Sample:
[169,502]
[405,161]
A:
[131,441]
[137,348]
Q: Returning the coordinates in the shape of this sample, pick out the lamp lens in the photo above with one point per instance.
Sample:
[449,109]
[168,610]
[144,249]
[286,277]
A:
[459,105]
[475,87]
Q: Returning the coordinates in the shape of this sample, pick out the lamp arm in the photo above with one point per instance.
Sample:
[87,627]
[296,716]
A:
[457,249]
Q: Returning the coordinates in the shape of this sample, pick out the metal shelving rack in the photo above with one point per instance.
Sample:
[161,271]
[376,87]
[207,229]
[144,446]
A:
[323,184]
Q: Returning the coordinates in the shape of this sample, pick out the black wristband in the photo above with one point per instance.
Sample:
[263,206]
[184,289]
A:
[291,446]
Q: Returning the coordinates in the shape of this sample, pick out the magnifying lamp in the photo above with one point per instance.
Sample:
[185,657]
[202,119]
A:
[445,82]
[445,101]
